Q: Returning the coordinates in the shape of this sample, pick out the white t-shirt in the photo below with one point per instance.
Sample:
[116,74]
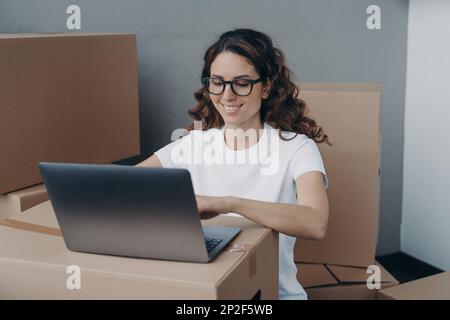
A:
[266,172]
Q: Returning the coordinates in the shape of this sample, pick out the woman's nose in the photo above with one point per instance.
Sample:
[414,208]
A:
[228,93]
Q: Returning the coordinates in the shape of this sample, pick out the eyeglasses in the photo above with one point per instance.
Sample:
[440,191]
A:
[240,87]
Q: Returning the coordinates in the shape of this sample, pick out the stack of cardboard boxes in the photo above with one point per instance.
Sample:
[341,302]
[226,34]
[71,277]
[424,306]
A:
[340,265]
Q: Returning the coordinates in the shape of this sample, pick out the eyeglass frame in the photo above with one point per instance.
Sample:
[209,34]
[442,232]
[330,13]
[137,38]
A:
[230,82]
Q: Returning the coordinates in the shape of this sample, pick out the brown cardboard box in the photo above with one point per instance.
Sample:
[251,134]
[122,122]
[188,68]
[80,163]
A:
[65,97]
[350,115]
[33,266]
[18,201]
[328,282]
[436,287]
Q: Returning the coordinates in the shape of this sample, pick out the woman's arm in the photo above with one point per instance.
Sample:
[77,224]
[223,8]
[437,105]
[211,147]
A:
[152,161]
[307,220]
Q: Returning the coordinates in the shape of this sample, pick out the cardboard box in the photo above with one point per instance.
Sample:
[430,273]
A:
[34,260]
[350,115]
[65,97]
[328,282]
[436,287]
[18,201]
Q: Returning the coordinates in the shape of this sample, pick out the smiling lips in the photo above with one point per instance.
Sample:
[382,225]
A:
[231,109]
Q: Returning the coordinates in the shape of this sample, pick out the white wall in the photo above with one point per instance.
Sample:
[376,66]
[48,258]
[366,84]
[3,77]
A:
[425,228]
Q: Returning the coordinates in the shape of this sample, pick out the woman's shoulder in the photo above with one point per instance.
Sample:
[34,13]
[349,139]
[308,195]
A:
[290,138]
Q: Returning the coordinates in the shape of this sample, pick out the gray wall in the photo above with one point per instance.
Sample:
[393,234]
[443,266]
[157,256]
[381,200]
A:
[425,212]
[324,40]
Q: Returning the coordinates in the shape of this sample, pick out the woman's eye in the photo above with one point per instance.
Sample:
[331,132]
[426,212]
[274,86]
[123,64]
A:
[242,84]
[216,82]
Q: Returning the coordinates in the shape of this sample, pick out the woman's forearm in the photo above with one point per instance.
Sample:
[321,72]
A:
[291,219]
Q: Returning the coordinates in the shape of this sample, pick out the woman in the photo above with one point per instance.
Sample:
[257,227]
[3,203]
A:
[254,153]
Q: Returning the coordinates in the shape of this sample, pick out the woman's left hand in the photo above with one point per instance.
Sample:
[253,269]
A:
[209,207]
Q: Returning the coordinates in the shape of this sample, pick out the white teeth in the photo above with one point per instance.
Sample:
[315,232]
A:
[231,108]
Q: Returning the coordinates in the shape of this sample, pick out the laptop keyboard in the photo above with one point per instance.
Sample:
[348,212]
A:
[211,243]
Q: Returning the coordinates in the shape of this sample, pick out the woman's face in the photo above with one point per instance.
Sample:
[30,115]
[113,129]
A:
[237,111]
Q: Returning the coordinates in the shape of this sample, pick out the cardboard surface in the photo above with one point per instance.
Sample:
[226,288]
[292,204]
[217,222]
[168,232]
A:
[314,275]
[350,115]
[436,287]
[328,282]
[33,266]
[66,98]
[18,201]
[348,112]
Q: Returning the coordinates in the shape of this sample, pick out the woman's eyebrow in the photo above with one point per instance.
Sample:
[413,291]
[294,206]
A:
[237,77]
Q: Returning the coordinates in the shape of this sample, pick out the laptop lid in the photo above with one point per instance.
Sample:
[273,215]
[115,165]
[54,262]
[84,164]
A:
[127,211]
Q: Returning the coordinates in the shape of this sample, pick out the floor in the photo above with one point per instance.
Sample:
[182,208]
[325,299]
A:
[406,268]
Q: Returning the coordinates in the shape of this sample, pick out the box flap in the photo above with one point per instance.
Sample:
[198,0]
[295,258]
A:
[436,287]
[15,202]
[314,275]
[359,275]
[40,215]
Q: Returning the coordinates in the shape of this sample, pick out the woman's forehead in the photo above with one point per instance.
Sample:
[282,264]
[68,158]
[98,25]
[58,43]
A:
[231,65]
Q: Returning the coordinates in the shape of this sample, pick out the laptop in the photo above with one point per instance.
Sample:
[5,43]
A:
[131,211]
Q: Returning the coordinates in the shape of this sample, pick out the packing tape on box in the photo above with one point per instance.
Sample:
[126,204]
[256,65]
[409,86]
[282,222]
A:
[246,247]
[30,227]
[240,247]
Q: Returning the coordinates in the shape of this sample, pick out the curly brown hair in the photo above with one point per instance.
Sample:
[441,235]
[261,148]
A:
[282,109]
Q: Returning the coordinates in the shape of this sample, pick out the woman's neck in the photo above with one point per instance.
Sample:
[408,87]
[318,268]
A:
[240,137]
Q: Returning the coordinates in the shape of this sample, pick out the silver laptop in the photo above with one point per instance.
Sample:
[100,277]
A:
[131,211]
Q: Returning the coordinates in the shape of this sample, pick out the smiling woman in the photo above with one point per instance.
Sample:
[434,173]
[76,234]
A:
[248,108]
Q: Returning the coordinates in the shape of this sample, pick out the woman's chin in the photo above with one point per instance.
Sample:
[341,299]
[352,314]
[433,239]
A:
[230,121]
[232,118]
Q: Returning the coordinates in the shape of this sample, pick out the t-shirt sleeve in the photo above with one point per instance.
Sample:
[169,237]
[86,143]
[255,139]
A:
[307,158]
[166,155]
